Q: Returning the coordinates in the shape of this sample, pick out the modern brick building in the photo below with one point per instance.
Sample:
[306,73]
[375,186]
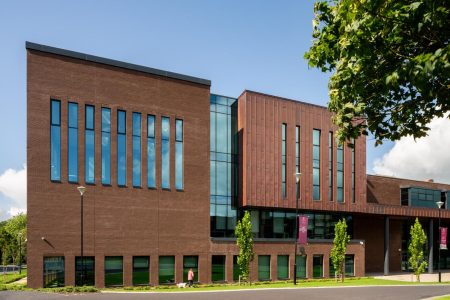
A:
[169,167]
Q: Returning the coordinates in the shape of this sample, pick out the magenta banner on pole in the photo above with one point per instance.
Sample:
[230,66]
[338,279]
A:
[443,239]
[302,237]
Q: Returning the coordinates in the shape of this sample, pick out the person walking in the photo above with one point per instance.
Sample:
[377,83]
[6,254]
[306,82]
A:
[191,277]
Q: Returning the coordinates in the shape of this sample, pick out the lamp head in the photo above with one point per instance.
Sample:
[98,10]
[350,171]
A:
[81,189]
[439,204]
[297,177]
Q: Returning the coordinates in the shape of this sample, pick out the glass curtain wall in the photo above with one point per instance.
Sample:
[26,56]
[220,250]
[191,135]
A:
[223,165]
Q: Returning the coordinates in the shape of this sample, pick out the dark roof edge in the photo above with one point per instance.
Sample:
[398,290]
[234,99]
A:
[115,63]
[283,98]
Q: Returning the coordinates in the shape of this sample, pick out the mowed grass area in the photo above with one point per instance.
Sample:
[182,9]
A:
[8,278]
[366,281]
[443,298]
[314,283]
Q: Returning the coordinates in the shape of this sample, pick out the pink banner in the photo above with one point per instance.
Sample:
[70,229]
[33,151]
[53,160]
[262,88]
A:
[302,237]
[443,238]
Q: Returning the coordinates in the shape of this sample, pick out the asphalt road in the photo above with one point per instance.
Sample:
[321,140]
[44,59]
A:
[347,293]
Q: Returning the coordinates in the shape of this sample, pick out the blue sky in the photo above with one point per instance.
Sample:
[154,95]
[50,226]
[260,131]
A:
[257,45]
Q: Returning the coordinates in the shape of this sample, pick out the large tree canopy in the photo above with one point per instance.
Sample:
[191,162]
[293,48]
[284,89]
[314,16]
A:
[390,60]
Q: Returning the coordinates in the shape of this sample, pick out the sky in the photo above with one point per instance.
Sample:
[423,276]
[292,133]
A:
[252,44]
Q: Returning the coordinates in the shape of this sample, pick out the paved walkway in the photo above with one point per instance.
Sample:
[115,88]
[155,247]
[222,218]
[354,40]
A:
[410,277]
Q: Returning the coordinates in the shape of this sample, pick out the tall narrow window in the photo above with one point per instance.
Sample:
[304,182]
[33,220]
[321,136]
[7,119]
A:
[316,164]
[165,153]
[317,266]
[90,145]
[73,142]
[263,267]
[55,140]
[283,267]
[151,182]
[179,155]
[121,148]
[218,268]
[297,156]
[301,266]
[340,173]
[166,269]
[330,166]
[353,171]
[190,262]
[283,161]
[106,146]
[141,267]
[136,132]
[113,270]
[88,270]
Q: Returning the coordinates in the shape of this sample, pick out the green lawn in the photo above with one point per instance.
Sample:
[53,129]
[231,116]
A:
[8,278]
[271,284]
[443,298]
[367,281]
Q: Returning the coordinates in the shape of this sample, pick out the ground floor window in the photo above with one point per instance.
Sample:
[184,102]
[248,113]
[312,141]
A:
[236,270]
[141,269]
[283,266]
[190,262]
[88,270]
[113,270]
[301,266]
[349,266]
[54,271]
[317,266]
[166,269]
[218,267]
[263,267]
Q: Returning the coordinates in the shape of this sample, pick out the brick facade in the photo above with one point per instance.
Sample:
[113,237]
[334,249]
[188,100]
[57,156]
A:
[139,221]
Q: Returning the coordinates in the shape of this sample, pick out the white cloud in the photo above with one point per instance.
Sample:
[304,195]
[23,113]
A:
[13,187]
[424,158]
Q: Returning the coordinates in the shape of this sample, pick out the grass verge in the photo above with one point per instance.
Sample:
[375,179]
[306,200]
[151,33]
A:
[365,281]
[8,278]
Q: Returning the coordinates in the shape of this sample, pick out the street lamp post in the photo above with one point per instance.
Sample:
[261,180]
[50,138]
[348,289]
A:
[297,180]
[20,252]
[439,204]
[82,189]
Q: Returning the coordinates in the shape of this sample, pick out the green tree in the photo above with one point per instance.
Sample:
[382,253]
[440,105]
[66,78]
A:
[5,245]
[244,241]
[390,64]
[12,239]
[341,239]
[416,249]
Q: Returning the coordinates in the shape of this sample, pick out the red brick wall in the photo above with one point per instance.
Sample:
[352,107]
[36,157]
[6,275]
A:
[259,123]
[282,248]
[118,221]
[386,190]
